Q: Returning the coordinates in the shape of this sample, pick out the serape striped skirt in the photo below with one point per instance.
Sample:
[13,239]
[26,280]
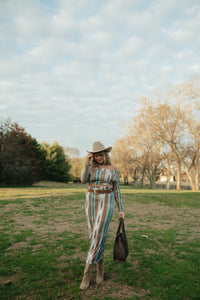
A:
[99,211]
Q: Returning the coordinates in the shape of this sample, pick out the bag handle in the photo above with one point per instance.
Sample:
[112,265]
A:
[121,224]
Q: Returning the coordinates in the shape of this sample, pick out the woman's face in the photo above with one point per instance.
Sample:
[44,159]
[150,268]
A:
[99,157]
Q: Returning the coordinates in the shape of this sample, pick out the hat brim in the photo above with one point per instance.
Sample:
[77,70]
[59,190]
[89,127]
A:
[108,149]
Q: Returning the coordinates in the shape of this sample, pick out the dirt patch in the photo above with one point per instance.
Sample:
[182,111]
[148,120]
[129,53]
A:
[20,245]
[56,215]
[9,207]
[112,290]
[17,246]
[160,217]
[9,280]
[49,216]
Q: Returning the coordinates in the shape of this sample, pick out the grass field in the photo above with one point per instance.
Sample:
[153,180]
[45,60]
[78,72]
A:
[44,244]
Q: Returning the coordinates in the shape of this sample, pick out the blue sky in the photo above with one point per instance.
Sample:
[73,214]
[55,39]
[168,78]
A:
[74,71]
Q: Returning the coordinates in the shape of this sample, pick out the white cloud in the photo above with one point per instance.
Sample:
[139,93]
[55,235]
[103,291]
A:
[74,70]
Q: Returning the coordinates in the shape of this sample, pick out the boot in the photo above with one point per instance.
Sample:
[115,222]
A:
[86,277]
[100,272]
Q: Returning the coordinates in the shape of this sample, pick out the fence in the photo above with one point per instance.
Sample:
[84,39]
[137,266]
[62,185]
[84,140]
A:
[163,186]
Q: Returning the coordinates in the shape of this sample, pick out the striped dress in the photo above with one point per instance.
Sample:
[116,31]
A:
[99,206]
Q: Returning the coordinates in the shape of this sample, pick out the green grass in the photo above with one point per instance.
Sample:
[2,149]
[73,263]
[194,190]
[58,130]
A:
[44,245]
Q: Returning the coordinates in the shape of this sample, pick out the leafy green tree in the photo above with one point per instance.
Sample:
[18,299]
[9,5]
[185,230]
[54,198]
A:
[56,165]
[39,156]
[4,132]
[20,164]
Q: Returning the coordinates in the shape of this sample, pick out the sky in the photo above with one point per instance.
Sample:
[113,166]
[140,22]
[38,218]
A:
[75,70]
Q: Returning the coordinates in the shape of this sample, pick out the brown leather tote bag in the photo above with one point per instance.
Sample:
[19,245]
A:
[120,252]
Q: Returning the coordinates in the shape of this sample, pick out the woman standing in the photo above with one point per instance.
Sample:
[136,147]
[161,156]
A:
[103,192]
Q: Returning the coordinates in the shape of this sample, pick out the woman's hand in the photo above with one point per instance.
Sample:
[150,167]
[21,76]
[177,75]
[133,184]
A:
[121,215]
[89,157]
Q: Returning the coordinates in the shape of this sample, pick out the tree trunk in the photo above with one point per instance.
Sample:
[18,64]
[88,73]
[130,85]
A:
[135,183]
[153,181]
[168,185]
[178,182]
[142,181]
[186,169]
[168,176]
[178,160]
[126,180]
[197,173]
[189,177]
[135,178]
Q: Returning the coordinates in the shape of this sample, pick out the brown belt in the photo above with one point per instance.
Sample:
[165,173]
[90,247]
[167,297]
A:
[99,191]
[96,186]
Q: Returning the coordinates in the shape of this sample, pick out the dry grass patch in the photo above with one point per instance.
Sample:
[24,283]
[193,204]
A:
[112,290]
[45,242]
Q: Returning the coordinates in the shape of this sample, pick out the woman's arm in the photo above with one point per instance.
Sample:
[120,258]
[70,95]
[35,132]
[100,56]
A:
[118,197]
[86,172]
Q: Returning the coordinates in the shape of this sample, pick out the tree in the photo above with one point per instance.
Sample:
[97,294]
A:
[19,163]
[168,160]
[138,152]
[4,133]
[176,126]
[164,132]
[76,168]
[191,92]
[167,128]
[71,152]
[142,140]
[122,158]
[56,166]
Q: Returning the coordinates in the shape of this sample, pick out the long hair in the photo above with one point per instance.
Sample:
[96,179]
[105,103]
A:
[107,161]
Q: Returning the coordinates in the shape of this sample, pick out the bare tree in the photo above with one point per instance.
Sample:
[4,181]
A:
[122,158]
[168,129]
[164,132]
[176,125]
[187,96]
[76,168]
[71,152]
[142,138]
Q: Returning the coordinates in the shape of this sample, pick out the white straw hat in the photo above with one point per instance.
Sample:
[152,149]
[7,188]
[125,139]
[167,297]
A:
[98,147]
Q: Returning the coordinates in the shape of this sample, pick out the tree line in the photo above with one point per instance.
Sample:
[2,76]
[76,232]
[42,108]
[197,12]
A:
[163,138]
[24,161]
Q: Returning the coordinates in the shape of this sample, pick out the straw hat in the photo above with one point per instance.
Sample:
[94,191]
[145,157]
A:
[98,147]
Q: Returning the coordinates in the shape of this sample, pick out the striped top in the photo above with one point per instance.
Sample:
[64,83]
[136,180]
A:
[107,177]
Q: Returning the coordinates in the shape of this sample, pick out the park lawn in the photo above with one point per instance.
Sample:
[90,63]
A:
[44,244]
